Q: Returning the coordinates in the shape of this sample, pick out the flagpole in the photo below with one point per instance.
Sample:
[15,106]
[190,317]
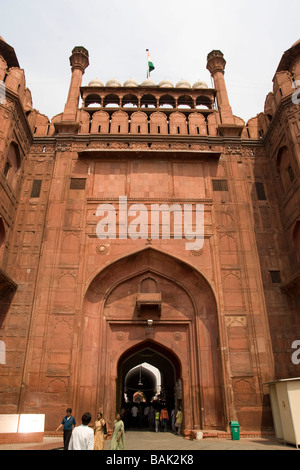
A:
[148,75]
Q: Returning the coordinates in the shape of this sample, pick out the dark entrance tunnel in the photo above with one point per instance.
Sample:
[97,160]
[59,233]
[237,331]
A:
[137,384]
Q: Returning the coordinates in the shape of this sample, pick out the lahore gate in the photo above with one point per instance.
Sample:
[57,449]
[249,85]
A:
[89,322]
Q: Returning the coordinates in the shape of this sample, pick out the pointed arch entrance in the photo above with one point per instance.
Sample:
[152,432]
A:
[134,376]
[150,301]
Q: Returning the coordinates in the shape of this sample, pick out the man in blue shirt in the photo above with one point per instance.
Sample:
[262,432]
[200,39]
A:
[68,424]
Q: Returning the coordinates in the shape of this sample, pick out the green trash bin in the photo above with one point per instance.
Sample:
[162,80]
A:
[235,430]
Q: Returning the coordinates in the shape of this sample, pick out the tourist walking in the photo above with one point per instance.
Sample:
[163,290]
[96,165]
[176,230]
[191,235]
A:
[178,423]
[83,436]
[151,417]
[134,415]
[173,419]
[146,415]
[164,418]
[117,440]
[156,420]
[68,424]
[99,437]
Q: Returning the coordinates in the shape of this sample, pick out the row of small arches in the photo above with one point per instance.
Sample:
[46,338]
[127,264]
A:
[147,101]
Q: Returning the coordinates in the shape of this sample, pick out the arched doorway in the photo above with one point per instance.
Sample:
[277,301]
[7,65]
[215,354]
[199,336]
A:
[2,232]
[145,302]
[137,383]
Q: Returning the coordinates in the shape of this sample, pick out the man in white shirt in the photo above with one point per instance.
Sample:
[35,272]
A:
[83,437]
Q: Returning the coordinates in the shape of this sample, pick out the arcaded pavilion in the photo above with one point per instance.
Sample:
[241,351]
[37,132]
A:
[85,320]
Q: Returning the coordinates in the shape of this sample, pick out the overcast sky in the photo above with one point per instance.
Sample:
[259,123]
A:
[253,35]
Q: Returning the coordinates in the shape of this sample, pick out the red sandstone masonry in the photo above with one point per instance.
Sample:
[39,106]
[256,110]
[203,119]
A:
[72,325]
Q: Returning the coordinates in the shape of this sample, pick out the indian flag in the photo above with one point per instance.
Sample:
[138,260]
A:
[150,64]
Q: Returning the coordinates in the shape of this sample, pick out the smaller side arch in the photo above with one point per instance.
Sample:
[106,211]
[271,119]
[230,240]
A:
[2,232]
[148,101]
[167,101]
[158,123]
[119,123]
[285,167]
[13,165]
[85,120]
[93,100]
[130,100]
[100,123]
[296,239]
[197,124]
[139,123]
[178,123]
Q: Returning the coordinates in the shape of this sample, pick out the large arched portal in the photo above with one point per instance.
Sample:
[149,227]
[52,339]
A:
[150,302]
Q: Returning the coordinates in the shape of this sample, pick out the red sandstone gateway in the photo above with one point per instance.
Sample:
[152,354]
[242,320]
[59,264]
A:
[88,323]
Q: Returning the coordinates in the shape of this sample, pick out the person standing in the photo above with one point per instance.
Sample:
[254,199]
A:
[178,422]
[146,415]
[151,417]
[68,424]
[83,436]
[134,414]
[173,418]
[117,440]
[156,420]
[164,418]
[99,438]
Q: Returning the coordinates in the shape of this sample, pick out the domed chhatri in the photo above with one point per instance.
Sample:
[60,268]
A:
[95,82]
[200,84]
[113,82]
[148,82]
[166,84]
[131,83]
[183,84]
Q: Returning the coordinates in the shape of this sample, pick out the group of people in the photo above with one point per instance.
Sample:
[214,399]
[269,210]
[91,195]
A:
[162,419]
[155,416]
[85,437]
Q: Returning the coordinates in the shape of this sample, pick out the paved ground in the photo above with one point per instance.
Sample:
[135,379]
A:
[137,440]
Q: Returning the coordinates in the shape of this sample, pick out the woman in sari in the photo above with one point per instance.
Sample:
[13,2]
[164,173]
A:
[99,440]
[117,441]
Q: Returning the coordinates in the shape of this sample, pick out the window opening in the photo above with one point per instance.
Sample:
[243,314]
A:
[260,191]
[36,188]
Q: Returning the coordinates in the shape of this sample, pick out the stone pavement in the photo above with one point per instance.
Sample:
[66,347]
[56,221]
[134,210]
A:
[144,440]
[135,440]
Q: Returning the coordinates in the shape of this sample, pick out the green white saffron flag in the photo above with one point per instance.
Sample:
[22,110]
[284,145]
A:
[150,64]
